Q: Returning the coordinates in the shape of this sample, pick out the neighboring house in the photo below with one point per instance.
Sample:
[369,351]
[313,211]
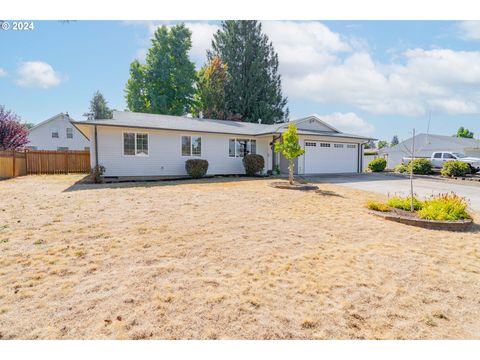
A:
[57,133]
[426,144]
[137,144]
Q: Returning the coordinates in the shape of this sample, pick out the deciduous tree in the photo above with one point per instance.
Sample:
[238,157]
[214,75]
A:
[464,133]
[165,83]
[290,148]
[13,134]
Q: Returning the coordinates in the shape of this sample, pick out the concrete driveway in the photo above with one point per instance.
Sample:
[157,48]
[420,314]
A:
[391,184]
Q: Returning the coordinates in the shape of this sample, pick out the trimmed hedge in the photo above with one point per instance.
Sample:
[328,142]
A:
[455,168]
[377,165]
[196,168]
[420,166]
[253,164]
[400,168]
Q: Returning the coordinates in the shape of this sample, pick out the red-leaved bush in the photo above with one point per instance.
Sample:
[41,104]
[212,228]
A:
[13,134]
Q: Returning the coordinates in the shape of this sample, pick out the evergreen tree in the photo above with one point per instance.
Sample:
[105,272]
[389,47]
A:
[165,83]
[464,133]
[99,108]
[394,140]
[253,88]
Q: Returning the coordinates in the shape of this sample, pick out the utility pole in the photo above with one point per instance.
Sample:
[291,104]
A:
[412,208]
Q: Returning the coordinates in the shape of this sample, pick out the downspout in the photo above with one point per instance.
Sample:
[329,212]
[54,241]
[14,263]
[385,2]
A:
[96,147]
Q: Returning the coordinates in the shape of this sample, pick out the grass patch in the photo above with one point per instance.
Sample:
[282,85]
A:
[377,206]
[3,241]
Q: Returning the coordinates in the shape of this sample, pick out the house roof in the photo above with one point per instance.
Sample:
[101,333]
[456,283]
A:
[51,119]
[425,142]
[181,123]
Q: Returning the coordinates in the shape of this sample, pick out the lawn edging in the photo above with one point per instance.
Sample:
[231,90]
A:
[459,225]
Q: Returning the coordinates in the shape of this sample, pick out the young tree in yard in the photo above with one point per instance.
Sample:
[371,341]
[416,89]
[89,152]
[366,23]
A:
[394,140]
[253,89]
[369,145]
[290,148]
[464,133]
[382,144]
[210,94]
[99,108]
[165,83]
[13,134]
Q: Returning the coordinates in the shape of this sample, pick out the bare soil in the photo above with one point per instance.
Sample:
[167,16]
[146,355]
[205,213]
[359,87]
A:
[223,259]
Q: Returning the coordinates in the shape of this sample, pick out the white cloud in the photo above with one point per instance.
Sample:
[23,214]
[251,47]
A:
[469,30]
[348,123]
[37,74]
[2,72]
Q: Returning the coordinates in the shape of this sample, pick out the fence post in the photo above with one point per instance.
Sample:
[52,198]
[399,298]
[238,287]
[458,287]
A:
[13,163]
[26,162]
[66,162]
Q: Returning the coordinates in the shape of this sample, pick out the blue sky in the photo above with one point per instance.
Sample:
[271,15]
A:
[378,78]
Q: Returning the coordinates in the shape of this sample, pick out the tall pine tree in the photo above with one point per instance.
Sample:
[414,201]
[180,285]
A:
[253,89]
[99,108]
[165,83]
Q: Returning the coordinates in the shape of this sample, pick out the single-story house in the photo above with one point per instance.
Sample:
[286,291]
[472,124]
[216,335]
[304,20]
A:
[137,144]
[426,144]
[57,133]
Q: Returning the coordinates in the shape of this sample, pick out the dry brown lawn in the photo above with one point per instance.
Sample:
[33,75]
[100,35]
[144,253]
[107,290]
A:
[225,259]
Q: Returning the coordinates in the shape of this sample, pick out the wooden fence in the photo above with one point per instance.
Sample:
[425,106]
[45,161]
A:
[17,163]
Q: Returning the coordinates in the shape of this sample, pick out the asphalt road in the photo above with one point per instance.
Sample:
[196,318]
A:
[390,184]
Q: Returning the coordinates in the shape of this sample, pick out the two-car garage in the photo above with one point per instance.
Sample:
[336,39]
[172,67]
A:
[323,157]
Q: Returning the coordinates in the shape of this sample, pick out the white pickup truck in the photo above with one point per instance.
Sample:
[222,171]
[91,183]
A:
[439,157]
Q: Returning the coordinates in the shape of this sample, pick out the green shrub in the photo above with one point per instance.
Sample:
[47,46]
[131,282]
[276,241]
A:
[400,168]
[420,166]
[97,173]
[445,207]
[403,203]
[377,165]
[196,168]
[455,168]
[377,206]
[253,164]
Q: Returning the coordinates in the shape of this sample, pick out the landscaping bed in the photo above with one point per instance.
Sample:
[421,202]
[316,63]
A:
[294,186]
[409,218]
[440,212]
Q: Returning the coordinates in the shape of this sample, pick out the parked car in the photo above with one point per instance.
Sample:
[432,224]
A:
[438,158]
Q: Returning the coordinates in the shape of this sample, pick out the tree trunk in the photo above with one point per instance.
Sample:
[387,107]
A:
[290,171]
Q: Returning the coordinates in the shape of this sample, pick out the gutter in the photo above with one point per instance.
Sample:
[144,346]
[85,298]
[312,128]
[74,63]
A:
[96,147]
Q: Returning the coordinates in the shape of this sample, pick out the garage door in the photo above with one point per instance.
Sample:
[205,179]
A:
[326,157]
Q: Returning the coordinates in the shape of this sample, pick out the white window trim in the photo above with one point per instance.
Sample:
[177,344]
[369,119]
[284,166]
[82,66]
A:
[135,132]
[66,133]
[235,142]
[191,146]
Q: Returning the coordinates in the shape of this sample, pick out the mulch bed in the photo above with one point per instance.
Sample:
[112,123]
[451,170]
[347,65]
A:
[409,218]
[295,186]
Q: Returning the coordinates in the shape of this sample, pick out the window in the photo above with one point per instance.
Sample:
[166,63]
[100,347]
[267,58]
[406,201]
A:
[135,144]
[324,144]
[62,148]
[448,156]
[86,148]
[129,144]
[54,133]
[142,144]
[191,146]
[310,144]
[351,146]
[69,133]
[338,145]
[241,147]
[437,155]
